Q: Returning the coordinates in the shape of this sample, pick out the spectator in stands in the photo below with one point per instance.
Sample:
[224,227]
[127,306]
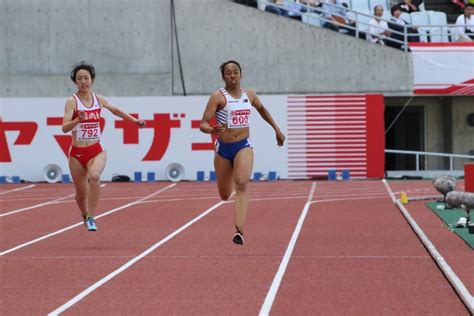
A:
[464,32]
[399,27]
[334,12]
[274,9]
[250,3]
[293,9]
[462,4]
[286,8]
[312,3]
[378,29]
[410,5]
[459,3]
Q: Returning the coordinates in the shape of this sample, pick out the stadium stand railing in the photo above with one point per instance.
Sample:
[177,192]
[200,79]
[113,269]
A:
[432,25]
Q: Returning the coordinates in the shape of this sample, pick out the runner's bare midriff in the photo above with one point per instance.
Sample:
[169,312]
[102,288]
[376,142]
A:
[230,135]
[81,143]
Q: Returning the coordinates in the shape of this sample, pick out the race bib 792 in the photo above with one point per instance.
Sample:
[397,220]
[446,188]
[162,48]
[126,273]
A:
[88,131]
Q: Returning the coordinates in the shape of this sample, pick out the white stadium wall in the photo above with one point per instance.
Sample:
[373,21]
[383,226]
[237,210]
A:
[321,136]
[171,135]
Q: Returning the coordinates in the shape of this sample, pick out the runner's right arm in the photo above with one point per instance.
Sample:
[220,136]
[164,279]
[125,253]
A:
[209,113]
[68,122]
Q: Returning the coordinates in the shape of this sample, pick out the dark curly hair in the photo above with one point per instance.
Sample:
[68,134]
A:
[222,67]
[82,65]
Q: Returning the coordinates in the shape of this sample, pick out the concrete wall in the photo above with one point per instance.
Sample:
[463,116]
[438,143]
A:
[436,127]
[128,42]
[281,55]
[3,42]
[131,44]
[462,133]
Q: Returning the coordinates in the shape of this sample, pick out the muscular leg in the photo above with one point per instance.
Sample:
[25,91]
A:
[79,176]
[243,165]
[94,169]
[223,169]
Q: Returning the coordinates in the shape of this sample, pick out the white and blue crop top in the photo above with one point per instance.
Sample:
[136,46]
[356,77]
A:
[236,112]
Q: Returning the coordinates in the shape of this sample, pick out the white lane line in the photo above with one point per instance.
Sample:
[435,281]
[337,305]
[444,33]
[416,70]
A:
[389,190]
[458,285]
[18,189]
[25,198]
[213,197]
[277,198]
[267,304]
[56,201]
[11,258]
[180,199]
[350,199]
[82,223]
[36,206]
[127,265]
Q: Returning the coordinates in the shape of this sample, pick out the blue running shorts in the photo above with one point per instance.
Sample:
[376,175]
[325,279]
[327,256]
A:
[229,150]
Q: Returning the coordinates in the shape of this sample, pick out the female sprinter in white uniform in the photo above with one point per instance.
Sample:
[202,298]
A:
[86,156]
[233,160]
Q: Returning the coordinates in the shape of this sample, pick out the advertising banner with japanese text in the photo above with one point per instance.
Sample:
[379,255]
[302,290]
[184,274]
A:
[324,132]
[31,137]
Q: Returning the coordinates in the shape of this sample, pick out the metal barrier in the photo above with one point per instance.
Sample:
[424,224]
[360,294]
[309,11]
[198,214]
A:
[435,154]
[427,31]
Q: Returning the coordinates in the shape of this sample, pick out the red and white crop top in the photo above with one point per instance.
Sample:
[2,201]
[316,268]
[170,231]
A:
[88,129]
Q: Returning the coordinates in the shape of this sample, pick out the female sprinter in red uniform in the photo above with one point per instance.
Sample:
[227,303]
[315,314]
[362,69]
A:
[233,160]
[86,156]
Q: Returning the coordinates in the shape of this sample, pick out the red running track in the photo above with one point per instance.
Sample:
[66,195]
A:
[354,255]
[455,251]
[359,256]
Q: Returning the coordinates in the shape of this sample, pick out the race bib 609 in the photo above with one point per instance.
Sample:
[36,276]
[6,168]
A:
[239,118]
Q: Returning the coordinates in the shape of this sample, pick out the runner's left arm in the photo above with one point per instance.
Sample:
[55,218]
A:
[119,112]
[257,104]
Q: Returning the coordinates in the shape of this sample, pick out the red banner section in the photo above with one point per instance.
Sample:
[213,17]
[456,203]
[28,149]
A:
[469,177]
[375,136]
[336,132]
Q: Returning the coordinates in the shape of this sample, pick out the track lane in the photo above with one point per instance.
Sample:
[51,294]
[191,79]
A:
[26,226]
[361,257]
[201,270]
[40,193]
[456,252]
[451,247]
[64,266]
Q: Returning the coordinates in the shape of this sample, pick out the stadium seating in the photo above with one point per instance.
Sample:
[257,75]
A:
[423,18]
[406,17]
[438,34]
[363,20]
[386,15]
[420,18]
[359,5]
[364,5]
[312,19]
